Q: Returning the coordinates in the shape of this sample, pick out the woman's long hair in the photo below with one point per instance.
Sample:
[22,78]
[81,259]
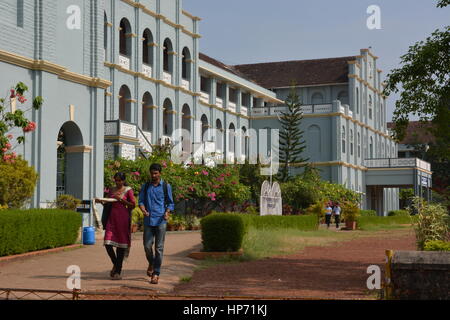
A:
[122,176]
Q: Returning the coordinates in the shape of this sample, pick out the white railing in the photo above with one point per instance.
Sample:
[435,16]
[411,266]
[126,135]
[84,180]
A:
[124,62]
[144,142]
[128,130]
[278,110]
[232,106]
[397,163]
[219,102]
[165,140]
[342,109]
[185,84]
[350,113]
[147,70]
[244,111]
[167,77]
[204,97]
[260,111]
[323,108]
[128,151]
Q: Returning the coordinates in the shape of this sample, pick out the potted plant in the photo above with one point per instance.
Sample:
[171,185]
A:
[350,212]
[136,219]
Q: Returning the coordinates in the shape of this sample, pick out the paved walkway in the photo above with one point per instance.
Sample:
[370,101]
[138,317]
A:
[49,271]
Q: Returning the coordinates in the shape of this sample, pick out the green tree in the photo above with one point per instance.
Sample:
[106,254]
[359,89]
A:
[292,143]
[424,77]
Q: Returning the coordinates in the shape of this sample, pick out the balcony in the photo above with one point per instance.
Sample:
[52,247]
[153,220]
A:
[244,111]
[306,109]
[185,84]
[204,97]
[232,106]
[124,62]
[219,102]
[147,70]
[397,163]
[167,77]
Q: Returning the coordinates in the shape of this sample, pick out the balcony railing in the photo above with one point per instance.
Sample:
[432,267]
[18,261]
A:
[167,77]
[147,70]
[124,61]
[185,84]
[244,111]
[219,102]
[232,106]
[306,109]
[204,97]
[397,163]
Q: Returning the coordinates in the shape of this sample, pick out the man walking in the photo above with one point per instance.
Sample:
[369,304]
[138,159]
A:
[156,202]
[337,214]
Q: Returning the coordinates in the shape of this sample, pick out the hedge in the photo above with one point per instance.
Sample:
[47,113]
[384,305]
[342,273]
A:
[398,213]
[384,221]
[368,213]
[222,232]
[36,229]
[437,245]
[299,222]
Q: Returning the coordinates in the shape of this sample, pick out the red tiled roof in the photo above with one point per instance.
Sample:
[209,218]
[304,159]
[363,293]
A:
[416,133]
[225,67]
[302,72]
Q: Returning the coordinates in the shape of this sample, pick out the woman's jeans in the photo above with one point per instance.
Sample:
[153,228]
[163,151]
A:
[154,235]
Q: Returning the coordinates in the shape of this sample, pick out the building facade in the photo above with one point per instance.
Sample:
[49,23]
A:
[119,77]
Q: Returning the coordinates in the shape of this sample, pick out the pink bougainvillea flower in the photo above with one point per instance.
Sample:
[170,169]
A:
[216,186]
[10,136]
[4,149]
[13,93]
[204,172]
[164,164]
[8,146]
[22,99]
[31,126]
[233,182]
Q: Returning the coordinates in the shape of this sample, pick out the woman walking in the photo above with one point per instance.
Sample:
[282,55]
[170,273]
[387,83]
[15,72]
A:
[118,226]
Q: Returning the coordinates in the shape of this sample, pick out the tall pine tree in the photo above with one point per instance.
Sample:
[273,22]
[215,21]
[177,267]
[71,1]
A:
[292,143]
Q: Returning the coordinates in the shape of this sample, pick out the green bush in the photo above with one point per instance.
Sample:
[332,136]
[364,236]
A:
[299,222]
[66,202]
[222,232]
[368,213]
[397,213]
[17,183]
[350,211]
[363,222]
[437,245]
[29,230]
[432,222]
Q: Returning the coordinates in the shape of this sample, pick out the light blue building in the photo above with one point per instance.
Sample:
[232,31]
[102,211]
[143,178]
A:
[120,76]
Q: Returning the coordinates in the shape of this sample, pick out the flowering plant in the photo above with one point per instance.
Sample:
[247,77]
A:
[15,118]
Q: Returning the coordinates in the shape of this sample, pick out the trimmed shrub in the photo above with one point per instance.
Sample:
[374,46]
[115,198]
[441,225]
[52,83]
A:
[437,245]
[17,183]
[350,211]
[383,221]
[397,213]
[66,202]
[303,222]
[222,232]
[30,230]
[368,213]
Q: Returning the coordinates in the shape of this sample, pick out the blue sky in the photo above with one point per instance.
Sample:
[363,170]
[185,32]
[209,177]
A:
[251,31]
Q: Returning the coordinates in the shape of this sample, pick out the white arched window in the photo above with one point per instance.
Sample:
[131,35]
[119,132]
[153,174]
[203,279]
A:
[359,145]
[343,97]
[343,139]
[317,98]
[351,142]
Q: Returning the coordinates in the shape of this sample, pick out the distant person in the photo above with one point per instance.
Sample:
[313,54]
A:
[156,202]
[328,213]
[337,215]
[117,229]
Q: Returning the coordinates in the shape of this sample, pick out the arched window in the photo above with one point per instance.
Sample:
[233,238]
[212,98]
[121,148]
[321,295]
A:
[125,38]
[343,97]
[219,136]
[370,107]
[186,126]
[105,37]
[231,138]
[357,100]
[371,148]
[168,117]
[244,141]
[147,112]
[351,142]
[205,126]
[168,56]
[186,64]
[317,98]
[125,104]
[343,139]
[359,145]
[147,48]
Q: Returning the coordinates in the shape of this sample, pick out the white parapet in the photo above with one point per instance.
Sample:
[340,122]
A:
[124,62]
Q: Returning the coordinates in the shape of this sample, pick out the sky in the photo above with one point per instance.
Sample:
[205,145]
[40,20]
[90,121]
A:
[252,31]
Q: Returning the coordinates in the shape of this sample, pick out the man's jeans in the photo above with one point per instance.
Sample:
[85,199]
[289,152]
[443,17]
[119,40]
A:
[154,235]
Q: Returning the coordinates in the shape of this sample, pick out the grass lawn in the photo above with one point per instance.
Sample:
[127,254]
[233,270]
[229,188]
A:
[263,243]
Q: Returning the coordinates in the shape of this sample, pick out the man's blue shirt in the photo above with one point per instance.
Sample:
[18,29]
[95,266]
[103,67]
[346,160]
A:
[155,203]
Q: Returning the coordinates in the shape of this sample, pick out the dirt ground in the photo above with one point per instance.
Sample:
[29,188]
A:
[318,272]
